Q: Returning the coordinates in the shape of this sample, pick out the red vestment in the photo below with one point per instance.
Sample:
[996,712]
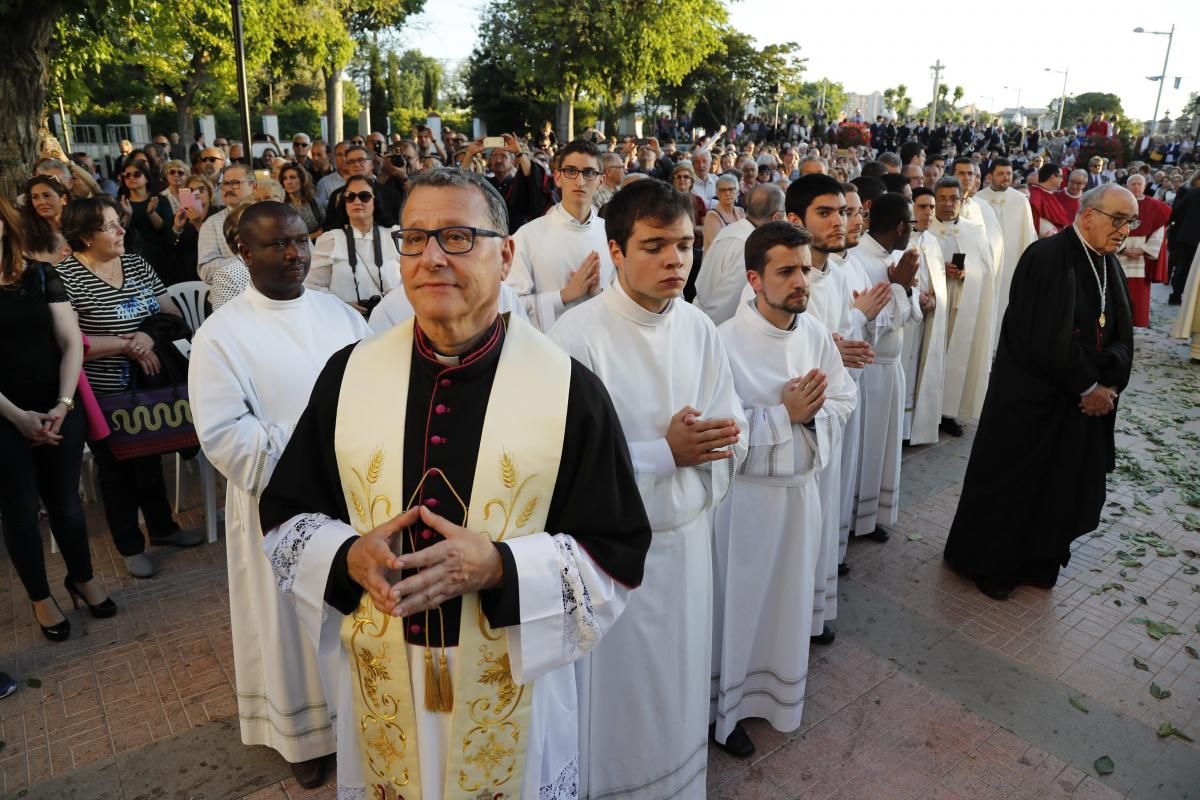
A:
[1047,206]
[1069,204]
[1154,215]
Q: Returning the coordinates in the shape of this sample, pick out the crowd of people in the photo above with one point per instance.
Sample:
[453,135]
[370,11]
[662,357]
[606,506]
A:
[651,396]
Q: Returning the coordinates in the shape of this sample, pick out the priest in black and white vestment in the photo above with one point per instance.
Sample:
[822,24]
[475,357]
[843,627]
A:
[457,519]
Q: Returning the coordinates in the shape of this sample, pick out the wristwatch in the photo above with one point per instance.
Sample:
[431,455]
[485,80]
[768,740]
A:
[68,402]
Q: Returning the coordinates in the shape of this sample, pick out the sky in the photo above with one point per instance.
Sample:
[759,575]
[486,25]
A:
[1100,54]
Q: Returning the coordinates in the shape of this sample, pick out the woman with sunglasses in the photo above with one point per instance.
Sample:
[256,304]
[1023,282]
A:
[358,263]
[147,215]
[41,431]
[176,174]
[41,218]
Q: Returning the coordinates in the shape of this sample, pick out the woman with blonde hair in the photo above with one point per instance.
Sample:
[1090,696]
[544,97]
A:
[175,172]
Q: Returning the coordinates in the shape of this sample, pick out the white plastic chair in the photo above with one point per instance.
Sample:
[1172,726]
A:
[191,297]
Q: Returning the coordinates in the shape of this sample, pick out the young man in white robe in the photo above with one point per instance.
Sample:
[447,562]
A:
[1011,209]
[821,205]
[924,351]
[719,285]
[252,367]
[969,301]
[966,172]
[876,503]
[456,519]
[797,397]
[644,690]
[561,258]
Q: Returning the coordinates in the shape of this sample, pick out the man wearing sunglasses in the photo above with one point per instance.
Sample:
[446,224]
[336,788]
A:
[301,145]
[1036,478]
[562,257]
[360,164]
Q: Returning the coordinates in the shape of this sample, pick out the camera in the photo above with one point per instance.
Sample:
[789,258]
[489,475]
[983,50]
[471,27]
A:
[370,303]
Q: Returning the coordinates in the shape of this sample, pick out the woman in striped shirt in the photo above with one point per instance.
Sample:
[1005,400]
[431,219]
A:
[113,292]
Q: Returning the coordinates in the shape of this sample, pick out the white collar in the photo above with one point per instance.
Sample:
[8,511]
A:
[260,300]
[624,305]
[570,221]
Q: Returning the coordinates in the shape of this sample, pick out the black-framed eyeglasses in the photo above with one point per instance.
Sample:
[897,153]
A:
[128,175]
[571,173]
[454,240]
[299,144]
[1119,221]
[362,197]
[352,161]
[211,159]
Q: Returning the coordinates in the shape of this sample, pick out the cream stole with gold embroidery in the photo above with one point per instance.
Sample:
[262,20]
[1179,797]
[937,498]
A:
[515,472]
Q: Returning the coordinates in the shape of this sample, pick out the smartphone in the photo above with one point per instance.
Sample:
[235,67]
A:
[959,260]
[378,145]
[492,142]
[188,201]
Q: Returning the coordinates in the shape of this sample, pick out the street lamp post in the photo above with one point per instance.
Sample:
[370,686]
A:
[1062,101]
[239,52]
[1163,77]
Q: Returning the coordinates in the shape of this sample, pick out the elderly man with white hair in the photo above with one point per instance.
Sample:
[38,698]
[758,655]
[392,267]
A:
[705,185]
[1139,258]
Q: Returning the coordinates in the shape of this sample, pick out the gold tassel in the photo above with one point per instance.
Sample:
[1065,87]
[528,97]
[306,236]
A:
[433,698]
[445,686]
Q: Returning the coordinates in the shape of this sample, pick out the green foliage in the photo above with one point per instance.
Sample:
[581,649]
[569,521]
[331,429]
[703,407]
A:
[898,101]
[736,74]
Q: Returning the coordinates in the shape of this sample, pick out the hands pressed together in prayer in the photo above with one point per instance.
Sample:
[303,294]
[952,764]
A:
[874,300]
[465,561]
[695,441]
[855,354]
[1098,402]
[584,281]
[905,272]
[803,397]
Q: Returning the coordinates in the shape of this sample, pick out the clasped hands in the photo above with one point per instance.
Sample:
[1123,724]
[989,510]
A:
[139,347]
[1098,402]
[695,441]
[465,561]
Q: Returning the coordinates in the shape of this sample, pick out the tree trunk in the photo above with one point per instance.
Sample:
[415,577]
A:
[25,40]
[333,102]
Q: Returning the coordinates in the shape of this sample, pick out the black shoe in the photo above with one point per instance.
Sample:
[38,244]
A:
[1175,300]
[951,426]
[309,774]
[826,636]
[995,588]
[102,610]
[738,743]
[7,684]
[56,633]
[878,535]
[843,569]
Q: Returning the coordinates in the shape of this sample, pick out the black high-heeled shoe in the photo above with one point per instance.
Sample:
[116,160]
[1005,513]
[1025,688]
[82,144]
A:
[55,633]
[103,610]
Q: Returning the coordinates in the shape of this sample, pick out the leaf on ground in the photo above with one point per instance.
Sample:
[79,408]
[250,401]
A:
[1141,601]
[1131,563]
[33,683]
[1189,569]
[1191,553]
[1191,651]
[1077,703]
[1191,522]
[1137,662]
[1159,693]
[1141,506]
[1166,551]
[1172,603]
[1104,765]
[915,537]
[1167,729]
[1119,587]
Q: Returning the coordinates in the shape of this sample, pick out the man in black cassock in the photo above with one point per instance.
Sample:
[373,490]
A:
[458,492]
[1035,481]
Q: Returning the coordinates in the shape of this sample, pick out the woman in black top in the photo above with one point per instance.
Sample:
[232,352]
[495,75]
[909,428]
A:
[41,430]
[149,215]
[113,292]
[184,235]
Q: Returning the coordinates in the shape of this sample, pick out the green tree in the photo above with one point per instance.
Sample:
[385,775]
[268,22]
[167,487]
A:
[432,86]
[736,74]
[377,98]
[898,101]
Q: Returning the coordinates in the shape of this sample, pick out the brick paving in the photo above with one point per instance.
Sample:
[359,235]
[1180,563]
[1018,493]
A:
[872,728]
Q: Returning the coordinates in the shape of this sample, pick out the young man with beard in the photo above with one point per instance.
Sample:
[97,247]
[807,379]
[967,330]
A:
[797,397]
[644,691]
